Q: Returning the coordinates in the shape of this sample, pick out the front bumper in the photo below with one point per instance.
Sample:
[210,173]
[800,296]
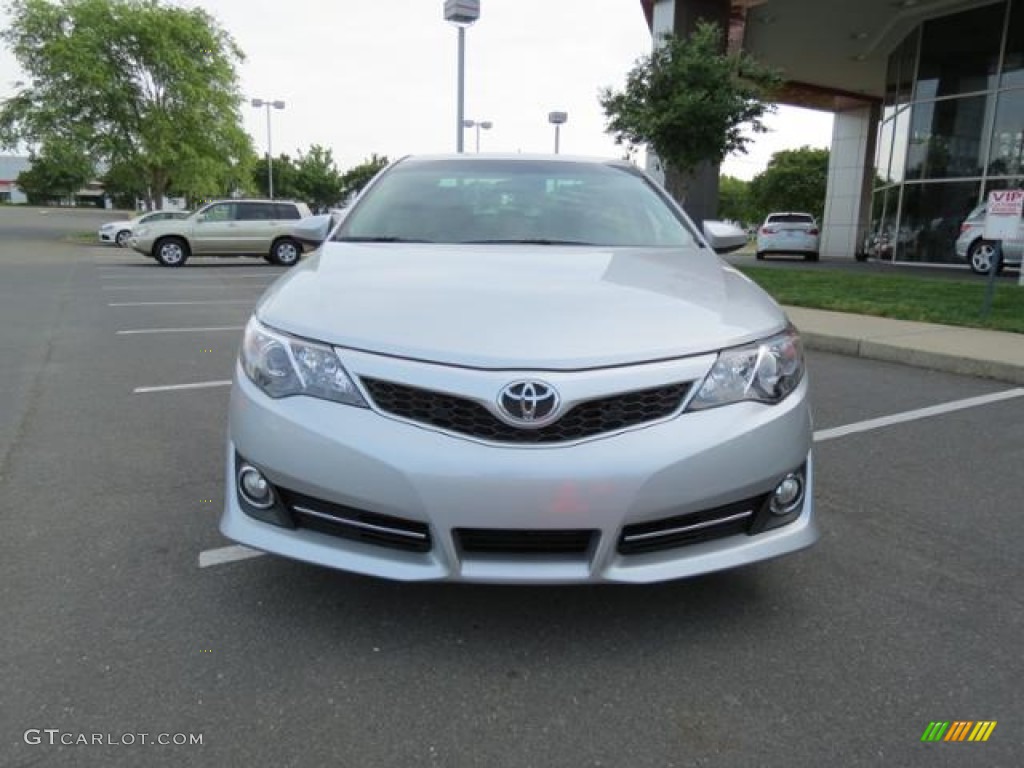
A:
[359,459]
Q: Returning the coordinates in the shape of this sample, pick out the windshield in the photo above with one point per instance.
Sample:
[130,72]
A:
[514,201]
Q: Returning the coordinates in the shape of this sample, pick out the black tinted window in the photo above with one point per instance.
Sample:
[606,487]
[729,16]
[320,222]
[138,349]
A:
[286,211]
[256,211]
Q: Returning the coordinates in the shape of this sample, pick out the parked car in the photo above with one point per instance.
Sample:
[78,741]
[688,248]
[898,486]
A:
[519,369]
[980,253]
[226,228]
[789,233]
[120,232]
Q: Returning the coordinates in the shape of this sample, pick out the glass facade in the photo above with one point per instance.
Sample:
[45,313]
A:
[952,129]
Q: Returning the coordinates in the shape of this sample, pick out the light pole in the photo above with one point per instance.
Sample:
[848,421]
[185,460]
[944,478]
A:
[478,124]
[270,152]
[557,119]
[461,13]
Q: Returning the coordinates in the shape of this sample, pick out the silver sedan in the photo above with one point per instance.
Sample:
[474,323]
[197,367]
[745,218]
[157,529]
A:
[517,369]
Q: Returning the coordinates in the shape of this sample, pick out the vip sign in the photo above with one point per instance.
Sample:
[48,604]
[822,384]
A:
[1003,216]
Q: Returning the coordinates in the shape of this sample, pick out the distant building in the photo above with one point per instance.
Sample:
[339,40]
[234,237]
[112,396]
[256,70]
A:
[10,167]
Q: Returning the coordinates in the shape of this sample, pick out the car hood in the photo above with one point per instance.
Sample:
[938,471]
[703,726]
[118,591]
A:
[520,307]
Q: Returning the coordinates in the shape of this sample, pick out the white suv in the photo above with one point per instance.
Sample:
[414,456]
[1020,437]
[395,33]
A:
[788,233]
[227,228]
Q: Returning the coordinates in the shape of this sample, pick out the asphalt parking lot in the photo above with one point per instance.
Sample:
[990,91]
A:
[126,612]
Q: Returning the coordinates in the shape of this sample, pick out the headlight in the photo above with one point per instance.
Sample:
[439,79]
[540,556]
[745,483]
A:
[283,365]
[765,372]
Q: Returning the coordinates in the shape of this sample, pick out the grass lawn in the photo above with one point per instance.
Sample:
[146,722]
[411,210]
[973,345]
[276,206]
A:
[950,302]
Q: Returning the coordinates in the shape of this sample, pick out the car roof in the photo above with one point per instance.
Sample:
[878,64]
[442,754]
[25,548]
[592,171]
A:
[515,157]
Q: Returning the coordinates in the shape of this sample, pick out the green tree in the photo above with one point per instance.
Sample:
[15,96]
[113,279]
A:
[285,177]
[148,87]
[58,171]
[734,200]
[317,178]
[795,180]
[357,177]
[690,101]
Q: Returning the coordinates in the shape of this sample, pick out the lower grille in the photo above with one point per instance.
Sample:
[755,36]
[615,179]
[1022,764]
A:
[356,524]
[587,419]
[520,542]
[692,528]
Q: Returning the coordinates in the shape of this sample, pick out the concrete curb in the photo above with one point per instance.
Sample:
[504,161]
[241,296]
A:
[894,353]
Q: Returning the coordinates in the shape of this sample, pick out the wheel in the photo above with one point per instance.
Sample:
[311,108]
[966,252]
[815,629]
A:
[811,256]
[759,255]
[171,251]
[981,255]
[122,238]
[285,252]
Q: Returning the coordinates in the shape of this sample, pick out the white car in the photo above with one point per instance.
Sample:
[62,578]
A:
[120,232]
[980,253]
[519,369]
[789,232]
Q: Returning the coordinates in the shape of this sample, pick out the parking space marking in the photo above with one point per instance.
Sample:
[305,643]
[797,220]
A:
[238,552]
[230,554]
[177,303]
[179,387]
[920,413]
[139,331]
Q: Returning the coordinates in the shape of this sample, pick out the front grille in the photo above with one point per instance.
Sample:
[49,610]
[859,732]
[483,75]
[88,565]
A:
[692,528]
[498,541]
[593,417]
[356,524]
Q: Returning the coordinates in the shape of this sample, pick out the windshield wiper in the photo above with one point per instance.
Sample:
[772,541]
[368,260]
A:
[526,241]
[381,239]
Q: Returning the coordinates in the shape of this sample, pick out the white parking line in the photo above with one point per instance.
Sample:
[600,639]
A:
[178,387]
[920,413]
[177,303]
[230,554]
[239,552]
[138,331]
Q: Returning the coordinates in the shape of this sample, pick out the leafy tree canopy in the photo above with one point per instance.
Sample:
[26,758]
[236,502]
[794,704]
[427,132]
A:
[734,202]
[795,180]
[690,101]
[318,180]
[58,171]
[357,177]
[136,84]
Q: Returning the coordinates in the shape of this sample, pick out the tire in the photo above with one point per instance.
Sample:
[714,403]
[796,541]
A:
[759,255]
[122,237]
[980,256]
[285,252]
[811,256]
[171,251]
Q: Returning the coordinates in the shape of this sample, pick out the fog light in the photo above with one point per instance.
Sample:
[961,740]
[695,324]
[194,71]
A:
[254,488]
[789,494]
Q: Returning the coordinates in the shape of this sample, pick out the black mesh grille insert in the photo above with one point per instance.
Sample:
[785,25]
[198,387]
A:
[356,524]
[587,419]
[693,528]
[524,542]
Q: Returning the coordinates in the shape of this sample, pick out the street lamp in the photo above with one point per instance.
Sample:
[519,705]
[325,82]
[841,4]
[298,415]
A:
[478,124]
[557,119]
[461,13]
[270,154]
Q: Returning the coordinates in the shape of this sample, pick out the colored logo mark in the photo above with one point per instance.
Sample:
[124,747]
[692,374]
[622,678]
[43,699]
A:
[959,730]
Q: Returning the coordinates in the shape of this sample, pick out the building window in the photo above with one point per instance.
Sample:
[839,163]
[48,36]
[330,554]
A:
[1006,156]
[946,138]
[960,53]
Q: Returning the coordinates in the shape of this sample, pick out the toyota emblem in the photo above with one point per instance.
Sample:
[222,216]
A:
[528,403]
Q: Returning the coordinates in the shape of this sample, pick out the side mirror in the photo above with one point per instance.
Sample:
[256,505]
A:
[723,237]
[313,230]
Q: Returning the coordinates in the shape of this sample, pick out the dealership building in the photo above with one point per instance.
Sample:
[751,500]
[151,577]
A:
[928,98]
